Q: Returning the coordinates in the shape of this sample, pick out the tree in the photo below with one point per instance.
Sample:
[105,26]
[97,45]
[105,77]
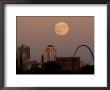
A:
[51,67]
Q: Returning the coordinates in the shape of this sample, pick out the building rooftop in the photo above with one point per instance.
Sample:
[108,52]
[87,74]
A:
[50,46]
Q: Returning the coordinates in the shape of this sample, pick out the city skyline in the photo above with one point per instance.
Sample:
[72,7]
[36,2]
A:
[38,32]
[50,62]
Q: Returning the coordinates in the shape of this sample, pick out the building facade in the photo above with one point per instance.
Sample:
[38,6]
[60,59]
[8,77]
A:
[69,63]
[49,54]
[22,53]
[28,64]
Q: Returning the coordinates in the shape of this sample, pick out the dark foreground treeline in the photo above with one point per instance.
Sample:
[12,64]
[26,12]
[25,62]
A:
[55,68]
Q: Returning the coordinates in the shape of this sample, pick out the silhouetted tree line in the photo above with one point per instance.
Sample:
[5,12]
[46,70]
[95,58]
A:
[87,69]
[55,68]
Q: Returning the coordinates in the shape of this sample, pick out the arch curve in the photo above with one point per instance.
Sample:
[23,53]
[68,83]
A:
[87,48]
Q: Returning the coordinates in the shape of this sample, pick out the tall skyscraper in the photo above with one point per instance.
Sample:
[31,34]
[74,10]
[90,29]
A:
[23,52]
[50,54]
[27,52]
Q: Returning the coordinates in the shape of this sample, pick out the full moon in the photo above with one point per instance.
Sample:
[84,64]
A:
[61,28]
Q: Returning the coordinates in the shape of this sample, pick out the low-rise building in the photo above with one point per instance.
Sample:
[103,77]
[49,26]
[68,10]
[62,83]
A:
[69,63]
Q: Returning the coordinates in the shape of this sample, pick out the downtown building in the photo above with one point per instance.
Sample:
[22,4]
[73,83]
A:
[24,50]
[67,63]
[22,53]
[29,64]
[49,54]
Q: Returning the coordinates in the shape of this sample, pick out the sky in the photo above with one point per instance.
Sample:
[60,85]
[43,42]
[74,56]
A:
[38,32]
